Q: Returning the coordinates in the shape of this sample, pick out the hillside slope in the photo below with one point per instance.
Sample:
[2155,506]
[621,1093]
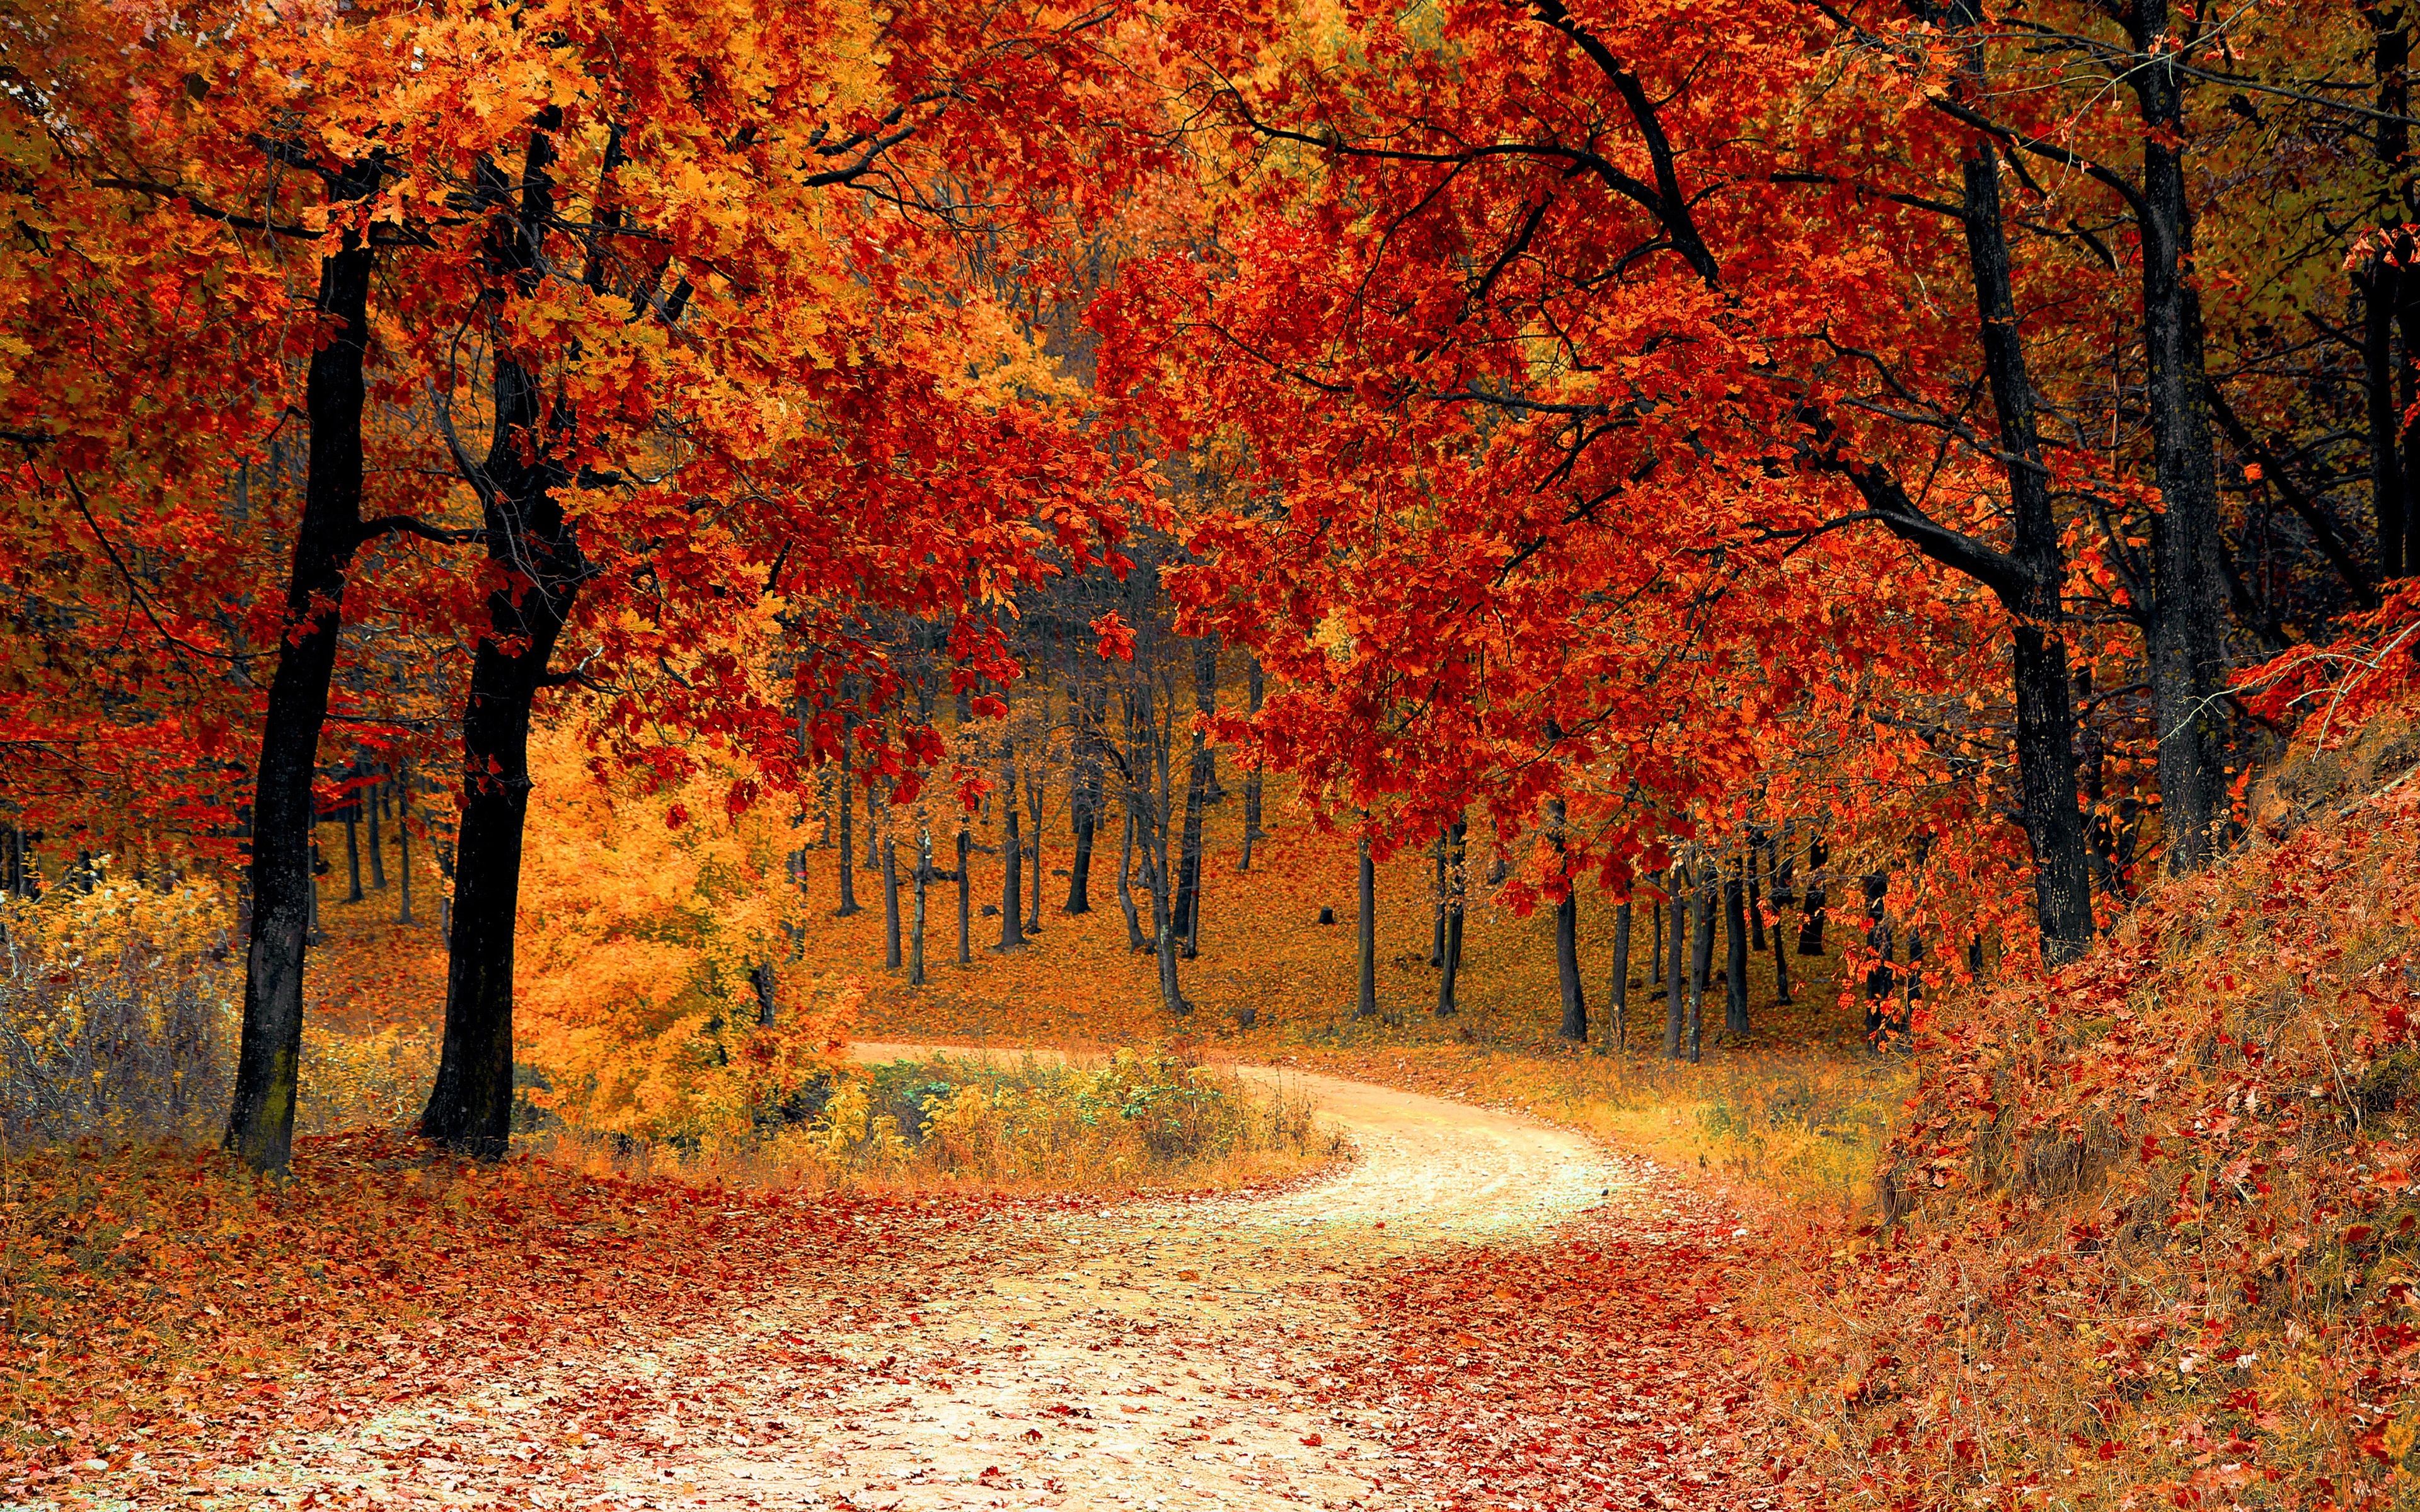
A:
[2152,1224]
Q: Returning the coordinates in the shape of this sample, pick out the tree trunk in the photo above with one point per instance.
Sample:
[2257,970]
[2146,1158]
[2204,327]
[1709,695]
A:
[1037,789]
[966,896]
[924,882]
[1735,954]
[1011,853]
[1365,933]
[762,977]
[530,540]
[1252,687]
[847,840]
[353,893]
[1567,942]
[1781,956]
[890,902]
[1197,793]
[403,843]
[1702,959]
[1617,998]
[1084,792]
[1135,941]
[1437,935]
[1755,897]
[1810,927]
[1676,1014]
[1878,935]
[2188,610]
[260,1118]
[1457,885]
[378,849]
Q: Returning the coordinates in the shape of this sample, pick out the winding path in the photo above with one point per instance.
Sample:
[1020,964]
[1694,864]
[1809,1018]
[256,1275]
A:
[1155,1357]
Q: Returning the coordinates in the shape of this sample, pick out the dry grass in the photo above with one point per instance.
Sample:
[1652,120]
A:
[989,1125]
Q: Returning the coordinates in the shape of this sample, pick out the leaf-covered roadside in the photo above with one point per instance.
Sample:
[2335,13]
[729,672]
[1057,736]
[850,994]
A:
[166,1317]
[1606,1368]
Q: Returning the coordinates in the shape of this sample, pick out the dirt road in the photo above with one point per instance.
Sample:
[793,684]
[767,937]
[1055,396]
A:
[1155,1355]
[1158,1360]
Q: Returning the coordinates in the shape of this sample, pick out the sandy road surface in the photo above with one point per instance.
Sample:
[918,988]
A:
[1155,1355]
[1161,1361]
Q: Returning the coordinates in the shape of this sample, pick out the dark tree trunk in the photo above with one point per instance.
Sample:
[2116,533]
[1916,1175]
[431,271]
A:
[2392,297]
[1252,779]
[1702,959]
[1734,955]
[1755,898]
[1084,794]
[352,812]
[2188,610]
[1879,977]
[1781,956]
[848,839]
[1655,949]
[403,844]
[965,896]
[1567,945]
[924,882]
[763,977]
[2379,283]
[1135,941]
[1810,926]
[890,902]
[378,840]
[1436,934]
[1011,853]
[1676,1016]
[1618,994]
[1037,790]
[1365,933]
[260,1119]
[529,537]
[1197,793]
[1457,887]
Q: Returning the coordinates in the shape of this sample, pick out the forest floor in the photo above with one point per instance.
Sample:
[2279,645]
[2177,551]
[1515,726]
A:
[1483,1310]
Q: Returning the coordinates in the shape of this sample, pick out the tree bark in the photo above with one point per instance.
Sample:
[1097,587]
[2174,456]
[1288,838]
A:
[1701,960]
[1567,943]
[1735,954]
[378,840]
[1676,1017]
[1135,941]
[1084,792]
[1197,793]
[1012,852]
[534,544]
[966,896]
[847,840]
[1618,996]
[1365,933]
[1457,888]
[1252,689]
[1810,926]
[1037,780]
[890,901]
[260,1119]
[403,843]
[2188,610]
[353,893]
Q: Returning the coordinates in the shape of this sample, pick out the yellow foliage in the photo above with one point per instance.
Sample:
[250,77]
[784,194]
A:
[645,916]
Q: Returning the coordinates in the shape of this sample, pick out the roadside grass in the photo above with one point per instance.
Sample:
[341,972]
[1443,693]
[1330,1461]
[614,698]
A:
[1124,1123]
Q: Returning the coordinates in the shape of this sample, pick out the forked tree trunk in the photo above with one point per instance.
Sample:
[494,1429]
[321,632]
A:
[1135,941]
[1197,794]
[531,539]
[1088,703]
